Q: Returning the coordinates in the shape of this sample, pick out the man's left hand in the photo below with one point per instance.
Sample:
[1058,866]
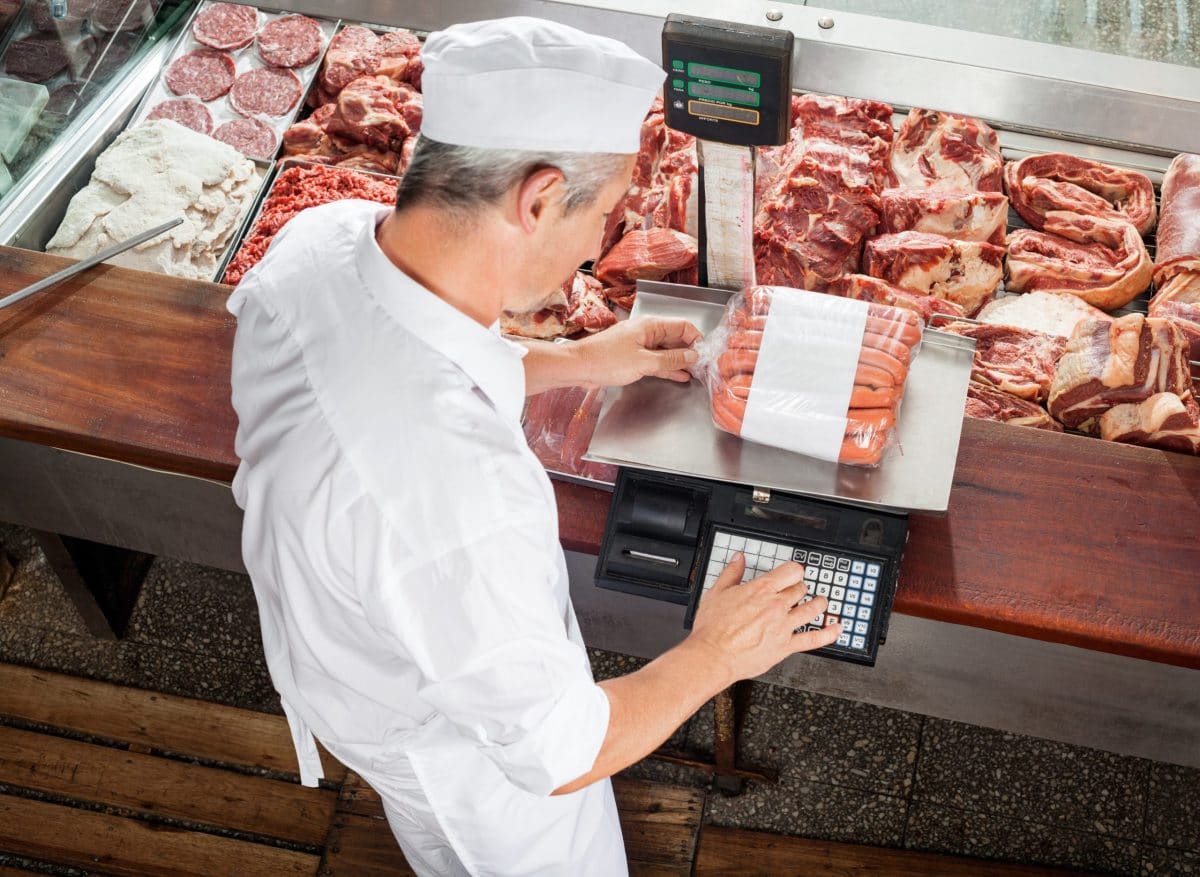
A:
[646,346]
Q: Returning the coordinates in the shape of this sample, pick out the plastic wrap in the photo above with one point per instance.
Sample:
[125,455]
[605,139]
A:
[810,373]
[559,426]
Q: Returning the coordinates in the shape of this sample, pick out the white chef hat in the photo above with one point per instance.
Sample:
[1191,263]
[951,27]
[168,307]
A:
[532,84]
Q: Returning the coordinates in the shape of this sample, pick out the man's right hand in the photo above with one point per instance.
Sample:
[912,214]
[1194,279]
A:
[751,627]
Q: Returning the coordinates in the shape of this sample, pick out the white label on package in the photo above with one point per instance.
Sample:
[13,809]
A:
[805,373]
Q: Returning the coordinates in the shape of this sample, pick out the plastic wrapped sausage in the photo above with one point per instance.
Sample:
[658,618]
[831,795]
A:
[811,373]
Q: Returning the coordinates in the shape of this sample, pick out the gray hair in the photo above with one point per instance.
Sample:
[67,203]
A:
[462,179]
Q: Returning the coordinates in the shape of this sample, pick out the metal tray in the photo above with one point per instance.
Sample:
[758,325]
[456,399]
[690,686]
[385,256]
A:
[666,426]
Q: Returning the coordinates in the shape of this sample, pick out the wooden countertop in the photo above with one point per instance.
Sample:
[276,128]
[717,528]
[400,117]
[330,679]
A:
[1059,538]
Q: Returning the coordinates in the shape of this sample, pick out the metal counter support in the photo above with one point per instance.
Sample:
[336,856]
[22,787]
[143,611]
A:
[951,671]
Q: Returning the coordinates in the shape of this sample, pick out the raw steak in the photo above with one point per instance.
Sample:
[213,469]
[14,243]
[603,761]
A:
[114,15]
[1042,312]
[189,113]
[1165,420]
[376,111]
[578,306]
[880,292]
[1041,184]
[204,73]
[267,91]
[356,51]
[1179,301]
[36,58]
[960,214]
[226,26]
[964,272]
[1017,361]
[250,137]
[290,41]
[649,254]
[1116,362]
[1101,260]
[987,403]
[1179,226]
[946,151]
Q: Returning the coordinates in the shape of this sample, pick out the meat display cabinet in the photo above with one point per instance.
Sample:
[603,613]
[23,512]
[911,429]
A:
[1063,577]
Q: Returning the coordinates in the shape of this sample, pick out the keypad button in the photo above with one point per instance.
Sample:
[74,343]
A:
[858,643]
[840,578]
[858,567]
[843,564]
[822,590]
[752,546]
[783,552]
[826,576]
[800,555]
[836,593]
[747,574]
[709,581]
[831,621]
[719,554]
[844,640]
[811,573]
[819,621]
[778,562]
[721,540]
[828,561]
[873,569]
[814,558]
[737,543]
[715,567]
[864,612]
[856,581]
[868,599]
[762,564]
[860,627]
[869,584]
[811,587]
[852,595]
[835,605]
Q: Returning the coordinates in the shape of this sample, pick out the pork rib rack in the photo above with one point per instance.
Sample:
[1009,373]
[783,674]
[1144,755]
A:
[964,272]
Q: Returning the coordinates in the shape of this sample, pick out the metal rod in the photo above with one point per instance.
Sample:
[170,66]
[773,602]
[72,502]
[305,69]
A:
[79,267]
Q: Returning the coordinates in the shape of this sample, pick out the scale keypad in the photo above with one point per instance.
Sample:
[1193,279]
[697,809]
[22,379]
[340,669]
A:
[850,583]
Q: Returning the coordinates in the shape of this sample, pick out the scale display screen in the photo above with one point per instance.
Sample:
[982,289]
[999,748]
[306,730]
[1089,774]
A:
[723,93]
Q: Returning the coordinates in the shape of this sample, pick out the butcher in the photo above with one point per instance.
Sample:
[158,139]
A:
[401,537]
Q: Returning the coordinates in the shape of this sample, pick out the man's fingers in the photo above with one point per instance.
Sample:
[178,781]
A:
[681,376]
[731,575]
[804,613]
[815,639]
[668,362]
[670,332]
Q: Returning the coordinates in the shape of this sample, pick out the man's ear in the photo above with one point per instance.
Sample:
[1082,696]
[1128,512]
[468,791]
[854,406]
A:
[536,194]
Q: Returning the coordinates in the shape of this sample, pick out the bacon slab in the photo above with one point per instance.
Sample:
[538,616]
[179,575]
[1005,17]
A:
[1041,184]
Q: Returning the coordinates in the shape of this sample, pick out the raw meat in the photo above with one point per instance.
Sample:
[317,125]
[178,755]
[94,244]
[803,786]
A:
[649,254]
[189,113]
[36,58]
[290,41]
[1179,226]
[226,26]
[578,306]
[1115,362]
[356,51]
[114,15]
[1179,301]
[1165,420]
[296,189]
[940,150]
[872,289]
[622,296]
[985,402]
[204,73]
[864,126]
[1101,260]
[1054,181]
[77,11]
[559,425]
[151,173]
[960,214]
[250,137]
[964,272]
[376,111]
[1042,312]
[1017,361]
[267,91]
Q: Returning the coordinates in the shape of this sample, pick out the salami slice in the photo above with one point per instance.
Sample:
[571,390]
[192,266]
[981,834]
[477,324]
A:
[36,58]
[203,73]
[226,26]
[189,113]
[111,15]
[290,41]
[250,137]
[266,91]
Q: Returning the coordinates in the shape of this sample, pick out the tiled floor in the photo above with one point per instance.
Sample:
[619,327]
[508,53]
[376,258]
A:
[848,771]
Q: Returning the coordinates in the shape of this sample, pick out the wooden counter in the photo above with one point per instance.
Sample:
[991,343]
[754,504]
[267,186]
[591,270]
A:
[1058,538]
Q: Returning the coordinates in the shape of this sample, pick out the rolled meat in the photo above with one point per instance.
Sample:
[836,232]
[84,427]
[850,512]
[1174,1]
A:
[1041,184]
[1179,228]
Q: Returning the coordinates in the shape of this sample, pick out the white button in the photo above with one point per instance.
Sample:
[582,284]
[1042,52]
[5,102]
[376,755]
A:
[859,643]
[830,621]
[819,621]
[826,576]
[709,581]
[843,640]
[783,551]
[748,573]
[721,540]
[873,569]
[835,606]
[814,557]
[828,561]
[721,554]
[737,543]
[864,612]
[868,599]
[856,581]
[858,567]
[852,596]
[752,546]
[715,567]
[822,590]
[811,572]
[869,585]
[840,578]
[836,593]
[811,587]
[843,564]
[778,562]
[860,627]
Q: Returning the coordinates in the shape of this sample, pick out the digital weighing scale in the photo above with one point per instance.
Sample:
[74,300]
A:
[689,495]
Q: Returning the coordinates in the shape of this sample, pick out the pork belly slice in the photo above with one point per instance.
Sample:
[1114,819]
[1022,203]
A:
[1103,261]
[577,306]
[946,151]
[1041,311]
[1117,362]
[960,214]
[1017,361]
[1179,226]
[1165,420]
[1041,184]
[880,292]
[647,254]
[964,272]
[1179,301]
[985,402]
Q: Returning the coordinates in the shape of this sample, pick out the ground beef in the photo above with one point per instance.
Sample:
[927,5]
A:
[250,137]
[189,113]
[36,58]
[203,73]
[226,26]
[290,41]
[296,189]
[267,91]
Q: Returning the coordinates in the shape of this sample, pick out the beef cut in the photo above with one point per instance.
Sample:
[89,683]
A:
[985,402]
[376,111]
[1018,361]
[1100,259]
[964,272]
[940,150]
[1041,184]
[955,213]
[1041,311]
[1117,362]
[1179,301]
[646,254]
[1179,226]
[578,306]
[1165,420]
[880,292]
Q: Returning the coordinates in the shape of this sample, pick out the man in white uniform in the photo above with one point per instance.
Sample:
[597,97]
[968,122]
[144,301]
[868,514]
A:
[401,537]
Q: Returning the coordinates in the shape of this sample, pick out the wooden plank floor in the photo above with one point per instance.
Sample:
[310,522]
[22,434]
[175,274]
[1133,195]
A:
[110,780]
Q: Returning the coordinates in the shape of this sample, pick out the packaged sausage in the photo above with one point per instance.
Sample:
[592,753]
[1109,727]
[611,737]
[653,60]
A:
[814,374]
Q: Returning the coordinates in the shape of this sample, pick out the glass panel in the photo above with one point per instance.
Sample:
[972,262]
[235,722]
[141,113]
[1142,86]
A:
[56,57]
[1157,30]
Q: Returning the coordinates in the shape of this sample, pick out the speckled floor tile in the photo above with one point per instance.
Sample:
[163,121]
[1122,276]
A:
[36,597]
[1008,775]
[1173,808]
[826,739]
[950,830]
[1157,862]
[814,810]
[198,609]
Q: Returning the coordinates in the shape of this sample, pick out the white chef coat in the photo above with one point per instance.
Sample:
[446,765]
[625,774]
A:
[402,540]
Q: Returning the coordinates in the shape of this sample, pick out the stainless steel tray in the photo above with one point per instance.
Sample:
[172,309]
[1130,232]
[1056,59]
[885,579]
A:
[666,426]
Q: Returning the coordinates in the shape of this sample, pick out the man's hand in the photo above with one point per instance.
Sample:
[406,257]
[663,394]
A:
[750,628]
[637,348]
